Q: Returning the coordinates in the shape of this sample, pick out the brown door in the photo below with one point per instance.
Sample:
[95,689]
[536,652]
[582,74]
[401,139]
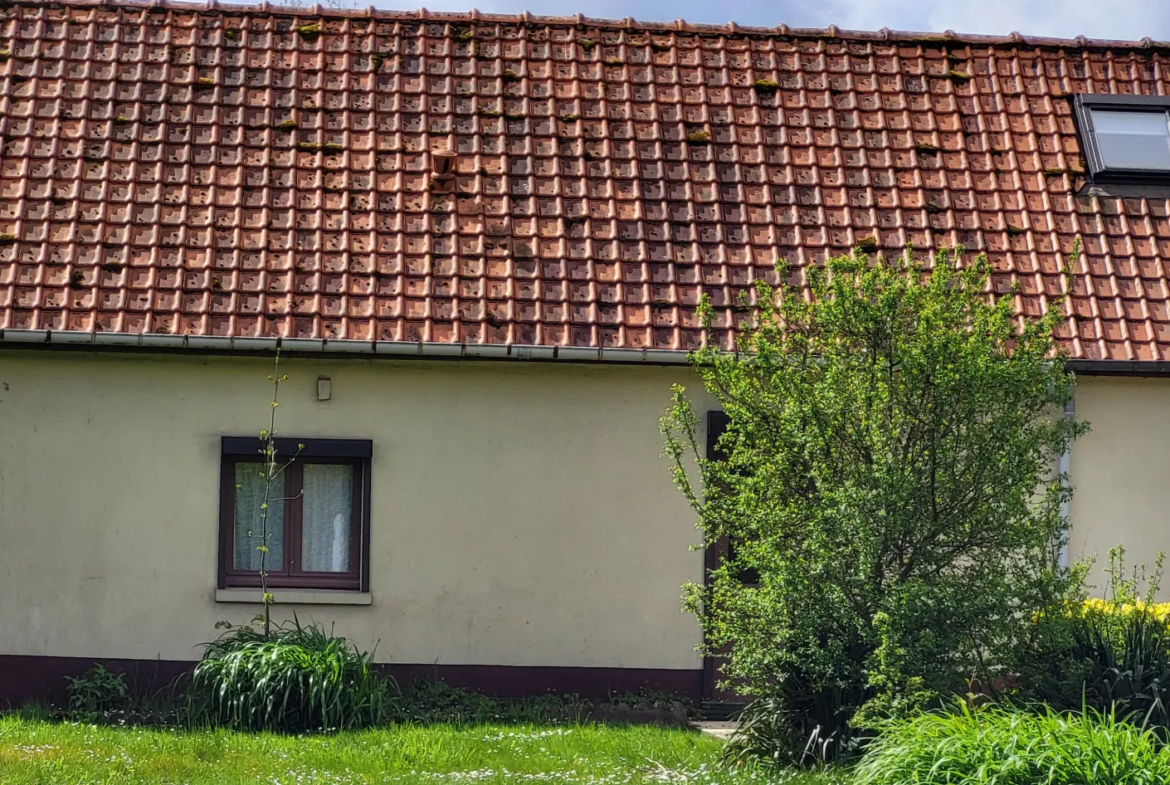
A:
[713,557]
[713,663]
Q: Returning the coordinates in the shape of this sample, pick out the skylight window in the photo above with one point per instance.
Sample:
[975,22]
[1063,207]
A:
[1132,140]
[1125,138]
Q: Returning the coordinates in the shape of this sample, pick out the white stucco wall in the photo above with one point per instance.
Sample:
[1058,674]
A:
[521,514]
[1121,472]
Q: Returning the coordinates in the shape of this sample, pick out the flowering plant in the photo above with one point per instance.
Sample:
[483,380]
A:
[1098,606]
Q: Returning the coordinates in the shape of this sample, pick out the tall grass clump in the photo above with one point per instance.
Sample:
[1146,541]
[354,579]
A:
[800,724]
[297,678]
[995,746]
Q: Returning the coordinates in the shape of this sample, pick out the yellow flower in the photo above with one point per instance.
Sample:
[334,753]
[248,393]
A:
[1096,606]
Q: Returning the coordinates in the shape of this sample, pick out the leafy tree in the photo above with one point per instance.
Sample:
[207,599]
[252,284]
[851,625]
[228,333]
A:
[889,473]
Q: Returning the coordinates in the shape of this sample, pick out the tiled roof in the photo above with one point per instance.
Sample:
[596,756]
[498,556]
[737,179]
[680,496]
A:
[246,172]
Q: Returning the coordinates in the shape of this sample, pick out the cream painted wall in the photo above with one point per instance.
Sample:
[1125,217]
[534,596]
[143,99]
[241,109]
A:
[521,514]
[1121,471]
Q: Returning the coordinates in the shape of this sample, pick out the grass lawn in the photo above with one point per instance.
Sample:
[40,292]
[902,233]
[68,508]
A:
[33,751]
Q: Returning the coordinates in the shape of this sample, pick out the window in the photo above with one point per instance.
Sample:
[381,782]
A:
[1126,138]
[318,514]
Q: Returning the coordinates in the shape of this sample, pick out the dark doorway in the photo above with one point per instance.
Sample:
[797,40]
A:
[718,702]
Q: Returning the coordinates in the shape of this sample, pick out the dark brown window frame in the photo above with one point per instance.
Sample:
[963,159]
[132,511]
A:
[351,452]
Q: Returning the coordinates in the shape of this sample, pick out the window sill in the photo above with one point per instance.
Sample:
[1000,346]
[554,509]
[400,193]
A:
[296,596]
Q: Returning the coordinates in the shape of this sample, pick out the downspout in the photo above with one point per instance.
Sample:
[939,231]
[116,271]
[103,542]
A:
[1063,466]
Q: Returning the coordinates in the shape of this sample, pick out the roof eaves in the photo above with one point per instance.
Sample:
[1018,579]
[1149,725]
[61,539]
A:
[1137,368]
[317,346]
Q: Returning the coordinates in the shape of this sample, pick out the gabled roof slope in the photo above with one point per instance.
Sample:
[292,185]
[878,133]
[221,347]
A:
[246,172]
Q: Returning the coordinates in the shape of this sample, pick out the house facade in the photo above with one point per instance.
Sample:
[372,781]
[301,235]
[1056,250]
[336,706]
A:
[522,535]
[479,243]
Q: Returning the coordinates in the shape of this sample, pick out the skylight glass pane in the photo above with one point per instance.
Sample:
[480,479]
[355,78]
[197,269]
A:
[1133,140]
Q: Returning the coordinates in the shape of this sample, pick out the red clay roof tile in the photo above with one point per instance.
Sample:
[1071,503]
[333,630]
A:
[254,172]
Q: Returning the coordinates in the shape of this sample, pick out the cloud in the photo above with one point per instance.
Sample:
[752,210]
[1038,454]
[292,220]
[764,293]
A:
[1125,19]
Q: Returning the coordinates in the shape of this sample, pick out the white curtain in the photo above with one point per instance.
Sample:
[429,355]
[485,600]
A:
[249,498]
[326,514]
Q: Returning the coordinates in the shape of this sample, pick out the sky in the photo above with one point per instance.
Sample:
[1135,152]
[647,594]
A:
[1119,19]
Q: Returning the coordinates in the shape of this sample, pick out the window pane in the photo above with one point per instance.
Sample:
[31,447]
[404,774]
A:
[1133,140]
[326,517]
[249,534]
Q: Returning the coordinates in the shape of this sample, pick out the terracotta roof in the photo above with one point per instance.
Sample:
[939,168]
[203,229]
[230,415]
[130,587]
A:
[247,172]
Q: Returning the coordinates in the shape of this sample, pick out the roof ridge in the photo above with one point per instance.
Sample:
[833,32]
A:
[679,25]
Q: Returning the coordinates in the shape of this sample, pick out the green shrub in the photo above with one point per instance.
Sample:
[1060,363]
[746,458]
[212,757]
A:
[298,678]
[431,701]
[885,472]
[96,692]
[646,699]
[973,747]
[428,701]
[1126,670]
[1111,654]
